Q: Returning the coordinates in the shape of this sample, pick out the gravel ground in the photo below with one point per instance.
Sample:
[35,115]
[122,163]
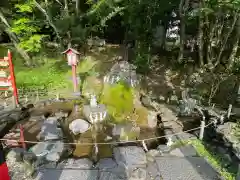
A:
[17,170]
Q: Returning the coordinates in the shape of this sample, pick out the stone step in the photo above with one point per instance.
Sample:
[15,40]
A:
[184,151]
[184,168]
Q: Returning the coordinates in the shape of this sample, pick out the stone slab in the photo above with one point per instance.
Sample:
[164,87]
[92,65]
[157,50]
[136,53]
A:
[130,156]
[184,151]
[187,168]
[67,174]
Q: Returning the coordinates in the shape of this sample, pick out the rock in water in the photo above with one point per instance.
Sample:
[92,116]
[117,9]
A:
[50,130]
[40,149]
[53,156]
[79,126]
[55,152]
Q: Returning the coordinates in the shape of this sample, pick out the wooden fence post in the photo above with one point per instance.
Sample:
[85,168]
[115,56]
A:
[57,96]
[229,111]
[238,173]
[22,139]
[14,102]
[201,134]
[26,98]
[37,97]
[144,146]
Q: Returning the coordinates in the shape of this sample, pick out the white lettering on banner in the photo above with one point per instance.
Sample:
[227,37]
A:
[4,63]
[3,74]
[5,84]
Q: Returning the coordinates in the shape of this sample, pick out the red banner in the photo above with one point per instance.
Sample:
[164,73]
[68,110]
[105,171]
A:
[7,77]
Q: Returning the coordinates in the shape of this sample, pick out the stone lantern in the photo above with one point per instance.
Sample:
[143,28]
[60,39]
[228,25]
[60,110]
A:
[95,112]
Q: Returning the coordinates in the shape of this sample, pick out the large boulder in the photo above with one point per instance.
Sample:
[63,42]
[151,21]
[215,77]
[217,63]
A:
[130,156]
[133,160]
[122,71]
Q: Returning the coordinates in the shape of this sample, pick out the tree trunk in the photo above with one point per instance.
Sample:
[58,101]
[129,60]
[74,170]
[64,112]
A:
[235,46]
[66,10]
[213,29]
[182,31]
[200,36]
[77,7]
[226,39]
[14,39]
[182,9]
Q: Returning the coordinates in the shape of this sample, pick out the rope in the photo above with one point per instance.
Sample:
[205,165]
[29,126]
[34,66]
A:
[106,143]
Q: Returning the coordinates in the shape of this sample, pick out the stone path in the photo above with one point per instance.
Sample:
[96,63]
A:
[128,163]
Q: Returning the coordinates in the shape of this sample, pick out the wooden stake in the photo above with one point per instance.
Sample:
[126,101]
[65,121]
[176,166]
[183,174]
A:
[14,101]
[229,111]
[144,146]
[238,173]
[22,140]
[26,98]
[37,98]
[202,130]
[58,96]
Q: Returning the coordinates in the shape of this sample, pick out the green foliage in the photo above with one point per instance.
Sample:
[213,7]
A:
[119,101]
[22,8]
[47,76]
[87,65]
[90,84]
[26,29]
[141,60]
[23,27]
[33,44]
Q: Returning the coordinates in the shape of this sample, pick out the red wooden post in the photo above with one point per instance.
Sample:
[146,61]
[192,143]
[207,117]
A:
[12,76]
[22,140]
[74,76]
[73,61]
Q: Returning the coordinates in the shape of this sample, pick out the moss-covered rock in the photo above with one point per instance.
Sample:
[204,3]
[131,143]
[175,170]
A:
[119,101]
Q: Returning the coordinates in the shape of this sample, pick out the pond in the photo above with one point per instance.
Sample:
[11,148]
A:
[98,140]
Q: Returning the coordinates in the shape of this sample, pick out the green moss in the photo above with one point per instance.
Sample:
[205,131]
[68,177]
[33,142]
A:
[119,101]
[141,116]
[92,85]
